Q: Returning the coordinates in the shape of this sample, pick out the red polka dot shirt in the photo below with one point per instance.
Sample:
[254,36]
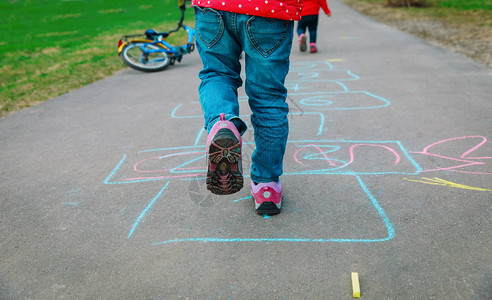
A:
[289,10]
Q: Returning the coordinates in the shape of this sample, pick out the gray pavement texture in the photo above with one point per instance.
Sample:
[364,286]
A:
[387,173]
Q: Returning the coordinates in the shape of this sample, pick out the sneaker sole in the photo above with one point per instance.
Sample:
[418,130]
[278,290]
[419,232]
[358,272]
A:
[267,208]
[224,175]
[303,44]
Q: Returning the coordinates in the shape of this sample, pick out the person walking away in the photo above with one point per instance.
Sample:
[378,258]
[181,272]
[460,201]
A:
[309,20]
[264,31]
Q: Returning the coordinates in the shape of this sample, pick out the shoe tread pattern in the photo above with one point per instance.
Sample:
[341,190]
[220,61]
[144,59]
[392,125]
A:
[224,174]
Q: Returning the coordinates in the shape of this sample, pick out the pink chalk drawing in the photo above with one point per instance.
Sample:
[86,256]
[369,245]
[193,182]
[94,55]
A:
[317,148]
[350,158]
[462,160]
[184,163]
[158,160]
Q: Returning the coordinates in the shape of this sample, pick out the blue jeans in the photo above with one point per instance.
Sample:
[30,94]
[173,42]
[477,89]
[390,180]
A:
[221,37]
[311,23]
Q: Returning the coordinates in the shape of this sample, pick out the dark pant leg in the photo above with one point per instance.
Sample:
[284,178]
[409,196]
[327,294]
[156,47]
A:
[312,25]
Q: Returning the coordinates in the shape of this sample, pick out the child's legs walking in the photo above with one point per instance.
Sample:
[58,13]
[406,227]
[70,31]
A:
[301,26]
[266,43]
[267,52]
[220,76]
[312,24]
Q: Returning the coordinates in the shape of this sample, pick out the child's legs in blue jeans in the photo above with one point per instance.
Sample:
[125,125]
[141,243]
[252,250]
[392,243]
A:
[301,27]
[311,23]
[267,65]
[221,71]
[313,28]
[221,36]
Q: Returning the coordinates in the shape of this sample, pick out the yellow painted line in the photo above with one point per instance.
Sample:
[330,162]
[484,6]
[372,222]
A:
[334,59]
[442,182]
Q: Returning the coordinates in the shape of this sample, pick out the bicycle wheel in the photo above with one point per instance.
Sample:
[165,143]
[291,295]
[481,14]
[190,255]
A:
[134,57]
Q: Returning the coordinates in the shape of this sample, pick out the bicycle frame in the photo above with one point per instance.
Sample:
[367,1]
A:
[168,48]
[150,52]
[158,39]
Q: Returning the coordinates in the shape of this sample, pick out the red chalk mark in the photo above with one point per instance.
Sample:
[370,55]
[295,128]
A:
[164,177]
[463,158]
[136,165]
[351,151]
[317,148]
[351,154]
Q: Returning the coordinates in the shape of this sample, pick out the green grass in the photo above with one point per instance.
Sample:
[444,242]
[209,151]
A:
[50,47]
[466,4]
[457,13]
[454,4]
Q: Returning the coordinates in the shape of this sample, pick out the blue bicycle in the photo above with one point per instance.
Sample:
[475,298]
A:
[150,52]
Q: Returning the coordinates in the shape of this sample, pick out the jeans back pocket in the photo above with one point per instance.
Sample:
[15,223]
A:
[266,34]
[209,25]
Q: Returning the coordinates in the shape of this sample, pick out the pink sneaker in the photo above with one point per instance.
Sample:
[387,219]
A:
[225,171]
[302,42]
[268,197]
[313,48]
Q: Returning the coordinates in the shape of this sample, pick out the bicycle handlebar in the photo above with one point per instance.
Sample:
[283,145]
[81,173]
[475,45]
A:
[182,8]
[151,33]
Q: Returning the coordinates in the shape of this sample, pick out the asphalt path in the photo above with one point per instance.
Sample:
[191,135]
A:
[387,173]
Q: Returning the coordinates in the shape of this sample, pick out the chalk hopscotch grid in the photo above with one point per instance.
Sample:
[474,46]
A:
[384,218]
[318,101]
